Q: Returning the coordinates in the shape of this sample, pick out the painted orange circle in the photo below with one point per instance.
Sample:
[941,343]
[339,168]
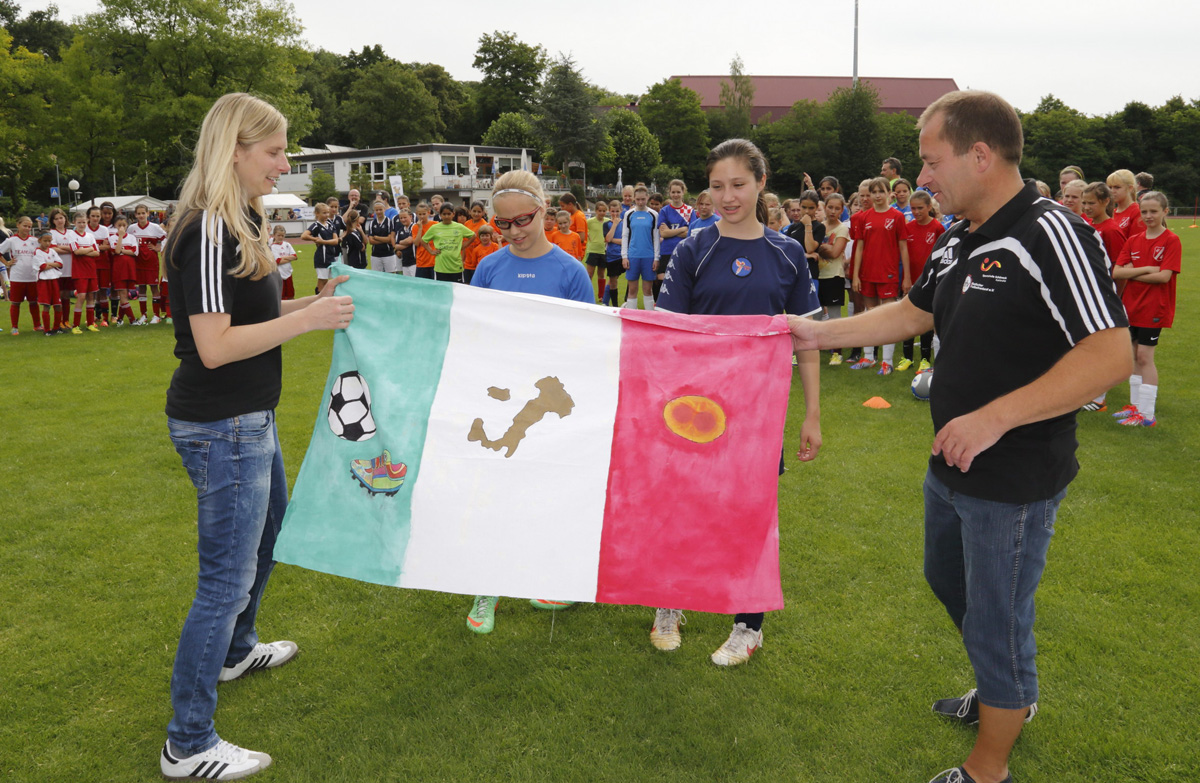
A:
[698,419]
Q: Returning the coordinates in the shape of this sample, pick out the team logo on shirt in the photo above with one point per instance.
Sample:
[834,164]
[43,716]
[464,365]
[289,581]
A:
[1158,253]
[888,223]
[966,283]
[742,267]
[988,265]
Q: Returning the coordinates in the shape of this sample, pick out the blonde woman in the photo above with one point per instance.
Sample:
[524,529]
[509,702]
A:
[225,288]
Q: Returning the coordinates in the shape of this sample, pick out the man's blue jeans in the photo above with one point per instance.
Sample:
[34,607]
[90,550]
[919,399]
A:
[984,560]
[237,468]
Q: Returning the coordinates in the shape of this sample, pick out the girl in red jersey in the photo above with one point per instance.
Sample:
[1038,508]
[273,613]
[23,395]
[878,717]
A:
[1126,211]
[149,236]
[923,233]
[103,265]
[1096,200]
[85,249]
[106,300]
[1150,261]
[881,271]
[124,272]
[60,241]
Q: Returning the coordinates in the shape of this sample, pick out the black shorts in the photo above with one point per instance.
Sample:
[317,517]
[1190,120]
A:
[595,259]
[1143,335]
[831,292]
[663,262]
[615,268]
[448,277]
[425,272]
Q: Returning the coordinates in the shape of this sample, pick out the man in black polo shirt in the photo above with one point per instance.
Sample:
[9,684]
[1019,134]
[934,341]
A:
[1031,328]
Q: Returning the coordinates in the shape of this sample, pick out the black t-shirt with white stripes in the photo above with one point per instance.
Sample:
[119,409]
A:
[199,262]
[1008,301]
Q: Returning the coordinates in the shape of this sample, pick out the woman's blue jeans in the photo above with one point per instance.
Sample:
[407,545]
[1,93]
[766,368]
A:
[241,493]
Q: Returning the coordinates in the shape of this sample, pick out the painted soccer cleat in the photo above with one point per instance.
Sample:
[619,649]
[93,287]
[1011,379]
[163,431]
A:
[379,475]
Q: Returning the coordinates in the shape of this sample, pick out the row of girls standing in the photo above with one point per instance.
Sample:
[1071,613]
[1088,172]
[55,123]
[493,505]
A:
[93,269]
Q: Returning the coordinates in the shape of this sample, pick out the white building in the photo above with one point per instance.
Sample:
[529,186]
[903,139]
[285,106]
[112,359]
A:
[446,168]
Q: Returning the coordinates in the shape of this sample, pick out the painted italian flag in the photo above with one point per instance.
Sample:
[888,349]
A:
[482,442]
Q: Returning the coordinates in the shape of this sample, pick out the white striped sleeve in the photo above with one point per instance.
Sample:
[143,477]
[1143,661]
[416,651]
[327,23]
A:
[1075,271]
[206,284]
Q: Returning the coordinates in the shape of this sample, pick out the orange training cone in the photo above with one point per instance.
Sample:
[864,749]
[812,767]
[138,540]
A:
[878,403]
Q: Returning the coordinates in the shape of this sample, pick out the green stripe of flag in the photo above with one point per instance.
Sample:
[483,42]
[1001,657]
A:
[408,324]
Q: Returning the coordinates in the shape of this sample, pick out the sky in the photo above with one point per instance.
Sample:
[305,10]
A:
[1086,54]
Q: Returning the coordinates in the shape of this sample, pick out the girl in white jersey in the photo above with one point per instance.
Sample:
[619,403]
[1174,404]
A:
[20,249]
[60,242]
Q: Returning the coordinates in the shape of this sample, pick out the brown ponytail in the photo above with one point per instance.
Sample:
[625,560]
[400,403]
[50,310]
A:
[755,161]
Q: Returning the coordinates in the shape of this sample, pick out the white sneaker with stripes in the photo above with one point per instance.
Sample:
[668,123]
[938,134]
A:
[223,761]
[263,656]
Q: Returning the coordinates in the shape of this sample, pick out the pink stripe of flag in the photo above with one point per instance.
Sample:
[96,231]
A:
[694,525]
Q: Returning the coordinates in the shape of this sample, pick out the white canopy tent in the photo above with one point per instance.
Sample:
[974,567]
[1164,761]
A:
[282,201]
[126,203]
[287,210]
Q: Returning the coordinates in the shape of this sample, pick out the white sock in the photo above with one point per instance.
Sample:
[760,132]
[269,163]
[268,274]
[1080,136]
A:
[869,353]
[1135,384]
[649,302]
[1147,395]
[889,353]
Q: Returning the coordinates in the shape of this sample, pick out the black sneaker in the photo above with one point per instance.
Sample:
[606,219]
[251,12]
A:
[958,774]
[965,709]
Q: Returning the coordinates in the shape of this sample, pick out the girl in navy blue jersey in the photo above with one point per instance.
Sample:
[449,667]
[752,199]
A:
[738,266]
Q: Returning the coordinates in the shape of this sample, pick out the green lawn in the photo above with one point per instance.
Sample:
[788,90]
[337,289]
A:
[97,569]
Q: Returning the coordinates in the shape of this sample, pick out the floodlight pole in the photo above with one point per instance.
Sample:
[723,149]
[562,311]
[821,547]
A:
[856,44]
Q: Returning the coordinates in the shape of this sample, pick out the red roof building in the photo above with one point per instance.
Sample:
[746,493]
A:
[775,95]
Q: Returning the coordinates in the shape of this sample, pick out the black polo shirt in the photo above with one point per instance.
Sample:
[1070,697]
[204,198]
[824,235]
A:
[1008,301]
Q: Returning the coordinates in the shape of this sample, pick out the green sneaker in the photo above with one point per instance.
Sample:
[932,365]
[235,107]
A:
[924,366]
[903,364]
[552,606]
[483,614]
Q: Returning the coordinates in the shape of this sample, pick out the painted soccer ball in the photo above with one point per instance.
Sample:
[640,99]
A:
[350,408]
[921,384]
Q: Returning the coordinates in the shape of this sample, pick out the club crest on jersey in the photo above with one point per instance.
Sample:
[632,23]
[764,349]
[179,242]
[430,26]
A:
[966,283]
[988,265]
[888,223]
[742,267]
[1158,253]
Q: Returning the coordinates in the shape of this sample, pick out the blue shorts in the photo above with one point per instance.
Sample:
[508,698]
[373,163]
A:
[640,267]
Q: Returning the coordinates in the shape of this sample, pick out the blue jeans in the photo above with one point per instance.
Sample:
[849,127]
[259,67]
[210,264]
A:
[236,466]
[984,560]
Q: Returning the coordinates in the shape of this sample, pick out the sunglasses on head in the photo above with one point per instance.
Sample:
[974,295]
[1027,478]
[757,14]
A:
[520,221]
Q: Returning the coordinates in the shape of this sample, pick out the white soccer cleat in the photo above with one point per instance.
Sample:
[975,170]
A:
[223,761]
[263,656]
[741,644]
[665,633]
[156,320]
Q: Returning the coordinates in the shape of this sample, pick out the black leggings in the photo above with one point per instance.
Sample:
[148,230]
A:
[753,620]
[926,347]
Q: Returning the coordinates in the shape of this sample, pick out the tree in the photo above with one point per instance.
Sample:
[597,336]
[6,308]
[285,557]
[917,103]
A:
[567,120]
[23,113]
[41,32]
[800,142]
[174,58]
[635,148]
[389,106]
[413,176]
[737,98]
[672,113]
[511,70]
[512,130]
[851,113]
[321,186]
[452,98]
[898,138]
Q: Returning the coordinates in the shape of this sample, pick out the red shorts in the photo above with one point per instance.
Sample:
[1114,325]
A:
[879,290]
[47,292]
[289,289]
[104,276]
[124,272]
[22,292]
[66,286]
[147,272]
[85,285]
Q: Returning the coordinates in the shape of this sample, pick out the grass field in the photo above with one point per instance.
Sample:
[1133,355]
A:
[97,570]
